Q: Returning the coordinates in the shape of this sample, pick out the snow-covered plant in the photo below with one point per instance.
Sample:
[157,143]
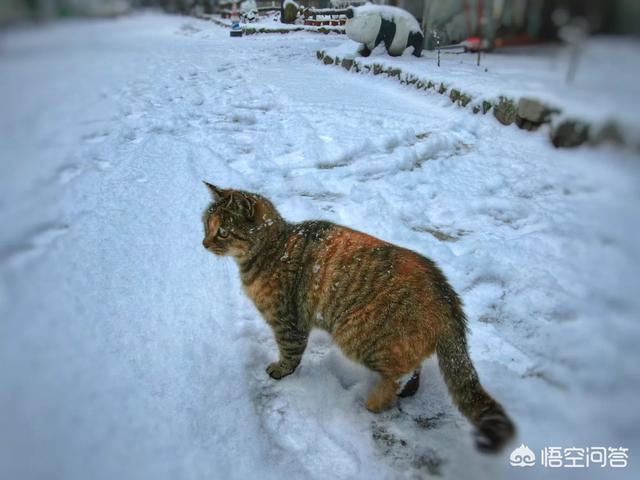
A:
[249,10]
[290,11]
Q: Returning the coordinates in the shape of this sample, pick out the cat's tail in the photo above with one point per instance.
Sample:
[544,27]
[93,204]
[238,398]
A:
[493,427]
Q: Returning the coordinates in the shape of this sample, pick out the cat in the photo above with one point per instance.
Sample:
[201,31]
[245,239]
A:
[386,307]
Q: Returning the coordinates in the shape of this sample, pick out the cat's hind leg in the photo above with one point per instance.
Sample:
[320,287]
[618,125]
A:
[382,395]
[411,387]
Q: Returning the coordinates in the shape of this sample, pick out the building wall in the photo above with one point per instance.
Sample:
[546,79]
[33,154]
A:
[626,17]
[456,20]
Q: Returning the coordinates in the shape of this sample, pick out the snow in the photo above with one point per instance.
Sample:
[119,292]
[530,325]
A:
[128,351]
[605,87]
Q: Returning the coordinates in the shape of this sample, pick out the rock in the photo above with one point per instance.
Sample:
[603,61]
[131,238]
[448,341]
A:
[290,12]
[527,125]
[461,99]
[347,63]
[327,60]
[377,69]
[393,72]
[569,133]
[609,133]
[505,111]
[442,89]
[320,54]
[486,106]
[464,100]
[533,110]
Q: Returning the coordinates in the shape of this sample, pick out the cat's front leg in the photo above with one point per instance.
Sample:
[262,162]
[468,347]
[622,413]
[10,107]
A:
[291,343]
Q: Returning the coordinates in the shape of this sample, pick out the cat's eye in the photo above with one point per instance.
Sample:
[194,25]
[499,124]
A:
[210,210]
[223,233]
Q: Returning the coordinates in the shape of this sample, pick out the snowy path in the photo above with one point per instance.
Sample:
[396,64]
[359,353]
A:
[127,351]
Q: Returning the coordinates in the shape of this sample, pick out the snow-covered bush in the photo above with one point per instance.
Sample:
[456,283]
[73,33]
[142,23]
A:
[249,10]
[290,11]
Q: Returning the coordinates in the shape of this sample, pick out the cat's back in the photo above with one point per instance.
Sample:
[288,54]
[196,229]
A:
[328,253]
[345,267]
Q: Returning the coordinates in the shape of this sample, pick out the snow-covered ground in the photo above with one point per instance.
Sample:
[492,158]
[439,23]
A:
[127,351]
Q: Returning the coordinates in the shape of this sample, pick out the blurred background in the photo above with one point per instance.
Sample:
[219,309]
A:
[516,21]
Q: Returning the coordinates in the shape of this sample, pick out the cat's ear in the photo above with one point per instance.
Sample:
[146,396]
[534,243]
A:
[216,192]
[247,206]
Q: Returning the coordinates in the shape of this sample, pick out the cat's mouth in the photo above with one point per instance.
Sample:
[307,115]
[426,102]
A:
[213,248]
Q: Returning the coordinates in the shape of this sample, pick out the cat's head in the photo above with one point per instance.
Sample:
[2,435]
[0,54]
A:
[236,223]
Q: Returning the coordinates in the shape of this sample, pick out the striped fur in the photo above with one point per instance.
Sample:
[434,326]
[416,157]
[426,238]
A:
[386,307]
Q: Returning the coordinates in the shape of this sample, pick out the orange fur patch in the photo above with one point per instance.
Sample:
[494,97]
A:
[214,224]
[408,264]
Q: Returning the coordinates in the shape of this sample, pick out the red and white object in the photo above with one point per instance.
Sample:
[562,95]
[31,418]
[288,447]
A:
[235,17]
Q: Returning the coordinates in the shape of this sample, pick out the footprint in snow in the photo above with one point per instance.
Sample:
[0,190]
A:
[35,245]
[102,165]
[188,29]
[196,99]
[392,434]
[293,429]
[94,137]
[68,173]
[244,118]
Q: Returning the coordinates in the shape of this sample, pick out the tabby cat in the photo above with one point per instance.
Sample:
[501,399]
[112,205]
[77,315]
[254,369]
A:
[388,308]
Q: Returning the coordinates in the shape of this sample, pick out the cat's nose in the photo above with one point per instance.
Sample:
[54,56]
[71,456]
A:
[205,243]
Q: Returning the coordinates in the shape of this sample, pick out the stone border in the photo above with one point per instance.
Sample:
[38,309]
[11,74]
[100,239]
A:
[323,30]
[527,113]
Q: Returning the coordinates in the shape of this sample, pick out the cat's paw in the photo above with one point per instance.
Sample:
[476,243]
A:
[277,370]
